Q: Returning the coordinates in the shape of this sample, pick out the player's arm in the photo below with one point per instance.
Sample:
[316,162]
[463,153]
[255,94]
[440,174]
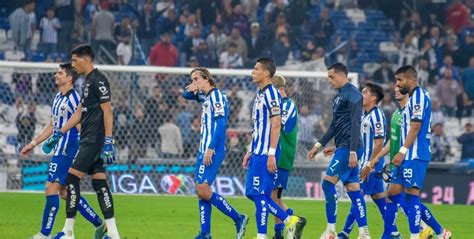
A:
[355,114]
[274,137]
[218,110]
[108,118]
[47,131]
[323,141]
[73,121]
[191,92]
[376,157]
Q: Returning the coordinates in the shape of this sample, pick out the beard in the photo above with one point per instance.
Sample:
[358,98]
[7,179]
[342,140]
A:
[404,90]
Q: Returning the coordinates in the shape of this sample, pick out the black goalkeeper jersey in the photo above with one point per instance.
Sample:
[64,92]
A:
[95,91]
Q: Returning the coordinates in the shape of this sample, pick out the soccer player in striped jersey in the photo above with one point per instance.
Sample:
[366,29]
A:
[215,112]
[64,105]
[345,128]
[413,156]
[260,160]
[286,151]
[373,137]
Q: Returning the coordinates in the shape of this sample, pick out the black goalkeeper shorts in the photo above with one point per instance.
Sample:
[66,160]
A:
[88,159]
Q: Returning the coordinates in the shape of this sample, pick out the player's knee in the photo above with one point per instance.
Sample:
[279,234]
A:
[63,193]
[203,191]
[72,179]
[326,185]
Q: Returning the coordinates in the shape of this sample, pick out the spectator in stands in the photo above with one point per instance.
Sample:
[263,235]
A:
[184,120]
[19,24]
[447,90]
[457,15]
[172,147]
[192,62]
[191,23]
[318,54]
[255,43]
[388,106]
[124,49]
[440,148]
[467,143]
[281,49]
[203,56]
[279,27]
[122,27]
[103,25]
[155,108]
[467,50]
[428,52]
[23,84]
[296,19]
[195,133]
[468,79]
[231,59]
[164,53]
[215,41]
[308,51]
[437,116]
[237,39]
[49,26]
[31,30]
[138,144]
[452,48]
[322,29]
[271,5]
[425,75]
[412,25]
[191,44]
[409,53]
[122,117]
[238,20]
[278,7]
[469,29]
[448,64]
[65,12]
[206,11]
[146,30]
[306,128]
[25,121]
[384,74]
[171,22]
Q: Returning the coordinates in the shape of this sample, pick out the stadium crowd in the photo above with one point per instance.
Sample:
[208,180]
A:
[371,37]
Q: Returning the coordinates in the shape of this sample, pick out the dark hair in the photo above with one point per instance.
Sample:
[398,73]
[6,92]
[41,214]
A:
[339,68]
[84,50]
[204,74]
[408,70]
[376,90]
[268,64]
[67,67]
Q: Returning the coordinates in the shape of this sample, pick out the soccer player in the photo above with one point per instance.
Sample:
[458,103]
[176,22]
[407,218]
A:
[215,112]
[345,128]
[260,159]
[96,145]
[412,158]
[287,150]
[373,137]
[64,105]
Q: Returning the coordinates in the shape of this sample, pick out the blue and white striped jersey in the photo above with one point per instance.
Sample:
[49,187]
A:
[372,127]
[266,105]
[64,107]
[418,110]
[288,115]
[214,106]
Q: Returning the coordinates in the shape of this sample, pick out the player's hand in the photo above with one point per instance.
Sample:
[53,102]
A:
[328,151]
[245,160]
[208,157]
[313,152]
[108,151]
[352,159]
[365,172]
[271,164]
[192,88]
[51,142]
[25,151]
[398,159]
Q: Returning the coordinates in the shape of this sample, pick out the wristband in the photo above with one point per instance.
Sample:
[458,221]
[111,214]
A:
[272,151]
[403,150]
[33,142]
[318,145]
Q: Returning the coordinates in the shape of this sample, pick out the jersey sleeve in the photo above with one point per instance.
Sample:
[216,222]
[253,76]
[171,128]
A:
[288,116]
[103,89]
[272,101]
[378,124]
[417,106]
[73,101]
[218,104]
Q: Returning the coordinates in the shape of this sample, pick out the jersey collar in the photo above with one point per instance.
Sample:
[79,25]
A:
[67,93]
[414,89]
[209,92]
[368,112]
[285,98]
[344,86]
[264,88]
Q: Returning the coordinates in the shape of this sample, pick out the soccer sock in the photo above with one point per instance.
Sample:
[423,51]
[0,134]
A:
[414,213]
[289,211]
[279,229]
[381,203]
[104,197]
[261,213]
[205,209]
[112,227]
[88,212]
[330,194]
[276,210]
[73,195]
[429,219]
[224,206]
[358,204]
[390,215]
[49,214]
[350,222]
[402,203]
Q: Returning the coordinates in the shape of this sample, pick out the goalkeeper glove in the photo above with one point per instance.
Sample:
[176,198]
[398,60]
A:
[51,142]
[108,151]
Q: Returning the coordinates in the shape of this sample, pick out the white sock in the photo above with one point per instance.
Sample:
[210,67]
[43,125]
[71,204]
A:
[261,236]
[415,236]
[364,231]
[287,220]
[111,227]
[331,227]
[69,226]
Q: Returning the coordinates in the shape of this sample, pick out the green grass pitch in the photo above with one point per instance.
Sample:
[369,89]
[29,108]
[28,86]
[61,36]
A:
[177,217]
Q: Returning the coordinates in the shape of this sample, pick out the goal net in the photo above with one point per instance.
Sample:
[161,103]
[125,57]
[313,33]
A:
[147,102]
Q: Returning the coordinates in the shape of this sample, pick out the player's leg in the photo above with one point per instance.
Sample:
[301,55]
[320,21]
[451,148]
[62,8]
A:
[50,210]
[280,184]
[104,196]
[205,207]
[395,199]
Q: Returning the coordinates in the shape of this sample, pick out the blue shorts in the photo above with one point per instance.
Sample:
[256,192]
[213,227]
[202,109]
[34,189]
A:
[281,180]
[259,180]
[372,185]
[339,166]
[410,174]
[207,174]
[58,168]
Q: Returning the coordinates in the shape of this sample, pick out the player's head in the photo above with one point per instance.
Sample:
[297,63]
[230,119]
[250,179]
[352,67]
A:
[65,75]
[82,57]
[406,78]
[202,78]
[337,75]
[264,69]
[279,82]
[372,94]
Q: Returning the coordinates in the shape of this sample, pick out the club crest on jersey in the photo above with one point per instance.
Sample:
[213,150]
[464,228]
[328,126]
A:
[86,91]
